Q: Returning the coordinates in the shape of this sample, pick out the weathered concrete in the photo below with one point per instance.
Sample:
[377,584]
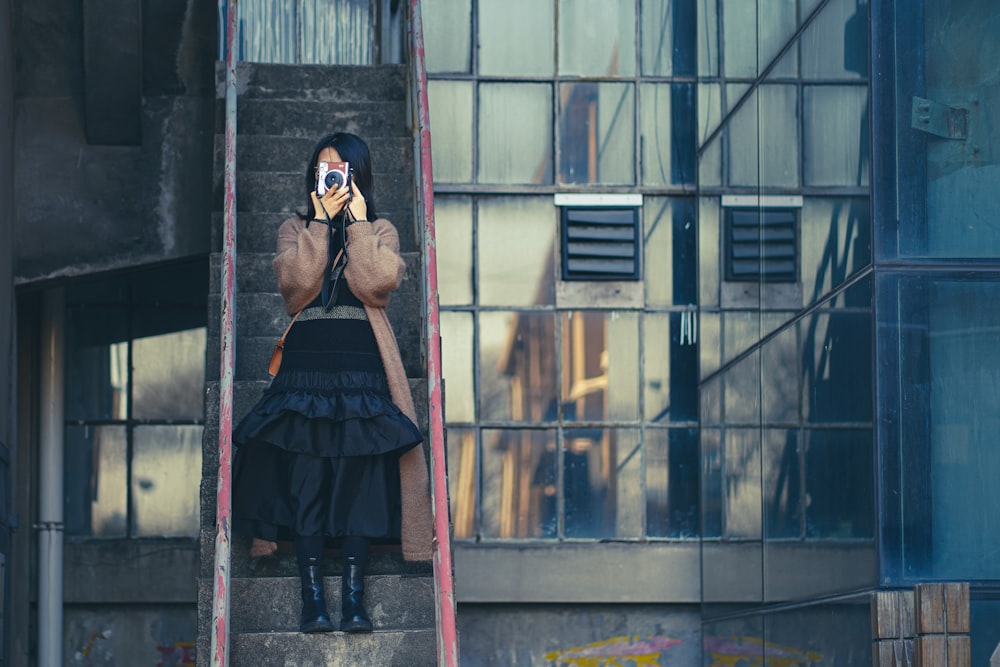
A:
[84,208]
[106,572]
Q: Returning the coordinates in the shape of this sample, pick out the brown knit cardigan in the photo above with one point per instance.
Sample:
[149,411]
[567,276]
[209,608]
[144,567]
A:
[373,271]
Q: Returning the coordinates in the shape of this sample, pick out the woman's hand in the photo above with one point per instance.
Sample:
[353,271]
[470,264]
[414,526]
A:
[358,205]
[332,202]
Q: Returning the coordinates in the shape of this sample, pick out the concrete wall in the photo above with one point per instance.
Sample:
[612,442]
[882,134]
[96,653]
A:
[83,208]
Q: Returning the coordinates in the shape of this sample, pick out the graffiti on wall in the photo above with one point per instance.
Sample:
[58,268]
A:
[180,654]
[624,651]
[755,652]
[639,651]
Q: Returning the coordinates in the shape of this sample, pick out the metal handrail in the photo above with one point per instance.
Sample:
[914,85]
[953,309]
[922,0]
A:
[223,498]
[444,589]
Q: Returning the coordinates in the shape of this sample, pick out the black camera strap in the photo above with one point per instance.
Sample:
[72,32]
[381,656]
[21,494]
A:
[335,262]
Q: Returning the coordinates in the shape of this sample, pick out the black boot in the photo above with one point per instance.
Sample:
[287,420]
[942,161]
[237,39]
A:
[353,616]
[314,617]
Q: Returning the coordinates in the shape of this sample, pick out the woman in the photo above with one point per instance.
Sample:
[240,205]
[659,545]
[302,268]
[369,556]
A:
[330,454]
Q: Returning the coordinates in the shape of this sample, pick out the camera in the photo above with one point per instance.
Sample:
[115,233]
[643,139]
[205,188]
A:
[332,176]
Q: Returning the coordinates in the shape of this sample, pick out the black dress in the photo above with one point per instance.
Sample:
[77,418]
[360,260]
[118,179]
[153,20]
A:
[319,453]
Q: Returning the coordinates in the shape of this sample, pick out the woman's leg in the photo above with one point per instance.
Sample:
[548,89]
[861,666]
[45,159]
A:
[354,618]
[309,553]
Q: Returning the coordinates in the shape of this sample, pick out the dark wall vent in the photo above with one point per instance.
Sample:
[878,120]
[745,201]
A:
[600,243]
[762,245]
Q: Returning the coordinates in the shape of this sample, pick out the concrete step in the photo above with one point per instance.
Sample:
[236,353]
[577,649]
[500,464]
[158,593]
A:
[311,120]
[273,604]
[331,83]
[383,648]
[257,231]
[390,155]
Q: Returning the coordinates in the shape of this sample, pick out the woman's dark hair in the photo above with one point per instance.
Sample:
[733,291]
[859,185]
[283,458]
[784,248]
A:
[353,150]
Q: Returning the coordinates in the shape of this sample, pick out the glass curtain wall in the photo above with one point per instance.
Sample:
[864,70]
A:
[938,281]
[572,414]
[786,360]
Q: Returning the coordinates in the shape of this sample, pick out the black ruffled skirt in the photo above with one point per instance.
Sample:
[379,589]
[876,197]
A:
[319,452]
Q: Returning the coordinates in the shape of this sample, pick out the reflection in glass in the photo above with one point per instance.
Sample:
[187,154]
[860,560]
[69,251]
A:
[837,367]
[597,133]
[596,38]
[785,497]
[446,38]
[742,387]
[531,53]
[779,378]
[164,488]
[515,133]
[668,134]
[709,343]
[753,35]
[517,366]
[709,252]
[600,366]
[838,483]
[671,482]
[462,480]
[836,243]
[763,139]
[516,244]
[451,127]
[742,483]
[169,375]
[709,118]
[453,226]
[835,45]
[711,481]
[602,483]
[657,37]
[835,633]
[95,470]
[670,364]
[519,483]
[457,370]
[740,638]
[835,141]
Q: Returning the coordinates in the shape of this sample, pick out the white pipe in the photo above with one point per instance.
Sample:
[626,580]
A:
[50,493]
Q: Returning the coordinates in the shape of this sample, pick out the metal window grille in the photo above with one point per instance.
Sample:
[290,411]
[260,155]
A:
[762,245]
[600,243]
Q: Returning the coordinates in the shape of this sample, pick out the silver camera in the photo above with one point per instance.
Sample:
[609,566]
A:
[332,176]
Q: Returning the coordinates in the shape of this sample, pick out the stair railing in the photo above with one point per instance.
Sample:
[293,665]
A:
[444,588]
[223,498]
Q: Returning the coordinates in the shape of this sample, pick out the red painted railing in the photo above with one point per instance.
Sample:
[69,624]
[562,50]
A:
[223,498]
[444,598]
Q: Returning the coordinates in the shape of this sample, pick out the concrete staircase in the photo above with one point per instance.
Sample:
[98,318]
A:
[282,111]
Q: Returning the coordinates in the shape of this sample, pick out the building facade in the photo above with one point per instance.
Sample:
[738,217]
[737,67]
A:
[720,316]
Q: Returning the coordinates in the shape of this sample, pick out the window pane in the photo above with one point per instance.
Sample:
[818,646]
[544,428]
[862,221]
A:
[517,366]
[94,472]
[515,133]
[939,337]
[451,127]
[657,37]
[780,378]
[709,118]
[453,228]
[835,45]
[742,387]
[709,252]
[462,480]
[600,366]
[516,244]
[596,38]
[446,36]
[519,483]
[835,146]
[670,265]
[742,483]
[597,133]
[836,243]
[164,488]
[668,134]
[763,141]
[96,363]
[267,31]
[754,34]
[711,481]
[837,367]
[838,483]
[169,375]
[670,364]
[531,53]
[672,482]
[602,483]
[456,360]
[786,499]
[708,39]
